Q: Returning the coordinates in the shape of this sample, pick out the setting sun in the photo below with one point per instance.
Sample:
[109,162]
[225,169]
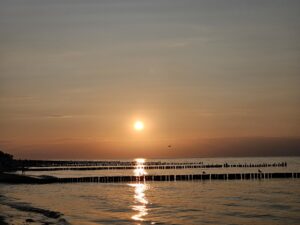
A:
[138,125]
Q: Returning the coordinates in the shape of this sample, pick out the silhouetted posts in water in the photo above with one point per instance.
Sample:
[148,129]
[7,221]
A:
[188,177]
[147,166]
[8,178]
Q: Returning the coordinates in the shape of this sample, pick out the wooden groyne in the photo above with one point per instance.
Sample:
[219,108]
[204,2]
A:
[49,165]
[61,163]
[23,179]
[188,177]
[162,167]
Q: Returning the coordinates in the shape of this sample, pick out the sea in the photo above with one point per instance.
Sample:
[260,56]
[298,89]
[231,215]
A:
[255,201]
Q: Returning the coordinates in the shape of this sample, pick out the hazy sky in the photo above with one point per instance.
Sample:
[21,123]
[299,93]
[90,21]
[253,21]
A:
[212,78]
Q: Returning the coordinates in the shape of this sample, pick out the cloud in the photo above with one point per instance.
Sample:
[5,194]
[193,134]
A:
[59,116]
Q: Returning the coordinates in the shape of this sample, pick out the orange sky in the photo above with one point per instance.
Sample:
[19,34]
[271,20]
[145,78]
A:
[212,79]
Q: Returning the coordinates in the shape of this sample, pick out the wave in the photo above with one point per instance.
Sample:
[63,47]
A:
[26,207]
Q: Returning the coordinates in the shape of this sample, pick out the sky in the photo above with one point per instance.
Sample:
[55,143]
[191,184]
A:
[209,77]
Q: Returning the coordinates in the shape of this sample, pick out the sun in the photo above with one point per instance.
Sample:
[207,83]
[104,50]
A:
[139,125]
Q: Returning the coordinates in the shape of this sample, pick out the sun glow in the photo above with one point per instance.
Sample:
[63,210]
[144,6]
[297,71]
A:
[138,125]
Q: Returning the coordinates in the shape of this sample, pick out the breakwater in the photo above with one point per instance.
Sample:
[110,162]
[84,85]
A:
[188,177]
[160,166]
[20,179]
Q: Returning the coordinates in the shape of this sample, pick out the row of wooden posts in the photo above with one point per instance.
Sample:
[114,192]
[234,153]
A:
[60,163]
[189,177]
[47,163]
[162,167]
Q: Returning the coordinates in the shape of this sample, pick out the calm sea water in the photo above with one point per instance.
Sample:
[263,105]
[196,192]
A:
[274,201]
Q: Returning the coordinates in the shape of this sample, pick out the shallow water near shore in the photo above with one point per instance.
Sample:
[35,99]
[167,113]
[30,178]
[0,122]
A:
[271,201]
[212,202]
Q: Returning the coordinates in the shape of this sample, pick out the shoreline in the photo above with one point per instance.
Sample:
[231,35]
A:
[27,213]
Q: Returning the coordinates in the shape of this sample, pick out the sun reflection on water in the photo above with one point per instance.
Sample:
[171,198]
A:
[139,170]
[140,202]
[140,187]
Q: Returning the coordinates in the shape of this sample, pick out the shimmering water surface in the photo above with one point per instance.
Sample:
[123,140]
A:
[274,201]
